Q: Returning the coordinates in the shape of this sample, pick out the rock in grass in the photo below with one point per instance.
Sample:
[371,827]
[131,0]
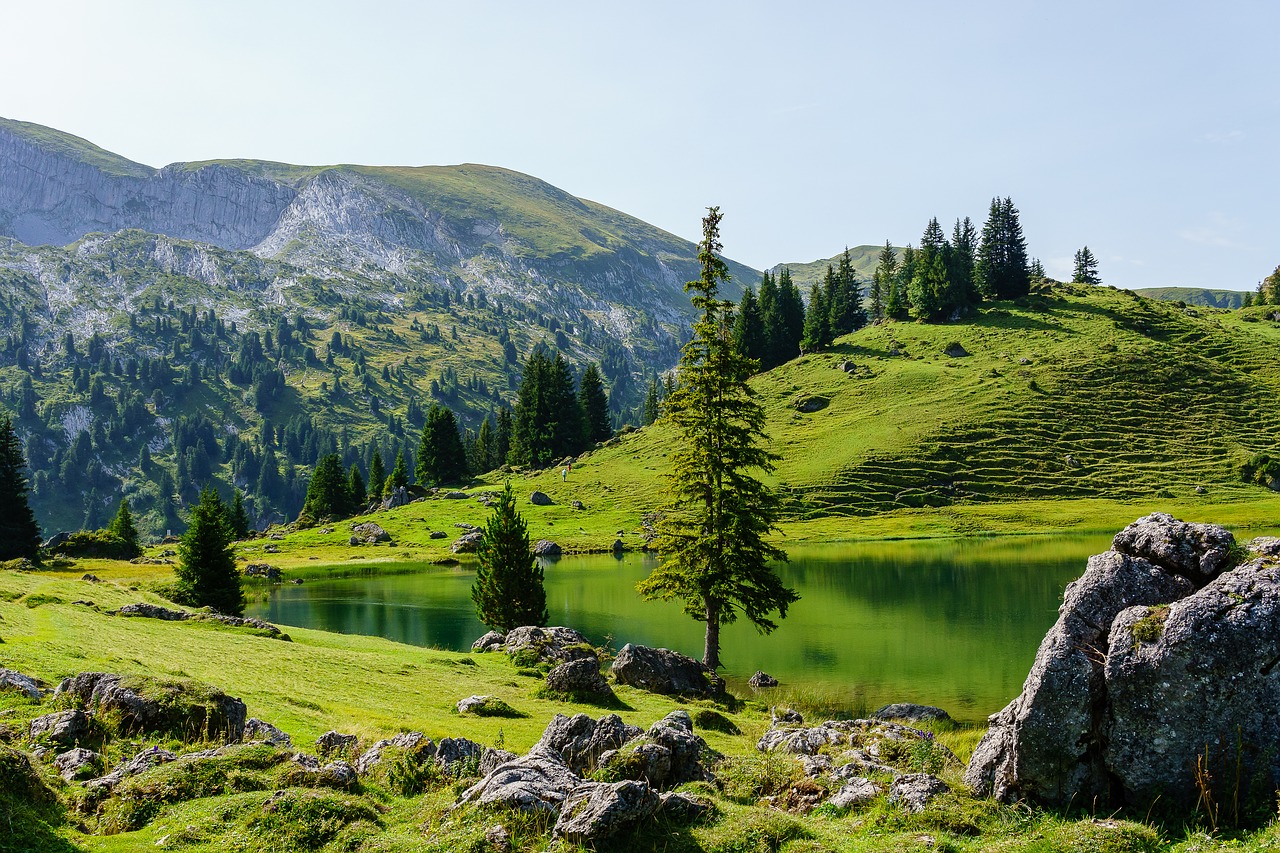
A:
[912,713]
[546,548]
[537,782]
[579,676]
[486,706]
[762,679]
[458,757]
[332,741]
[13,680]
[555,644]
[540,499]
[78,764]
[914,791]
[255,729]
[490,642]
[580,740]
[60,729]
[370,533]
[140,763]
[855,792]
[663,671]
[666,755]
[595,811]
[467,543]
[144,705]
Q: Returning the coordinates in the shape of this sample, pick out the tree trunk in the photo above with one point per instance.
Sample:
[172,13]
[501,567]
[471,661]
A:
[711,648]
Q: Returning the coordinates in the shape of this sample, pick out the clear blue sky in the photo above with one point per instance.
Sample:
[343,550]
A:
[1147,130]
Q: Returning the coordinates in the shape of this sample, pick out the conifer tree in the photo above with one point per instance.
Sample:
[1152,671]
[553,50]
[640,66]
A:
[1002,271]
[594,403]
[399,477]
[652,408]
[19,533]
[1086,268]
[483,452]
[327,495]
[771,318]
[502,436]
[356,489]
[960,263]
[206,571]
[441,457]
[883,281]
[238,517]
[817,316]
[377,475]
[715,555]
[791,316]
[508,591]
[123,529]
[845,301]
[899,302]
[748,327]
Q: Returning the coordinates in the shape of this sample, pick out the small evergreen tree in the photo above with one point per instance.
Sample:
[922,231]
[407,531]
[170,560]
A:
[122,528]
[356,489]
[508,591]
[399,477]
[327,494]
[1086,268]
[19,533]
[817,317]
[748,327]
[441,457]
[652,408]
[238,518]
[883,281]
[594,403]
[207,575]
[377,476]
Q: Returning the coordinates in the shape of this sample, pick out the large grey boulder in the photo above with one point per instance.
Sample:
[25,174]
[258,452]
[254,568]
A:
[142,705]
[580,740]
[555,644]
[77,764]
[546,548]
[413,744]
[579,676]
[1161,656]
[663,671]
[62,728]
[666,755]
[467,543]
[255,729]
[595,811]
[537,782]
[370,533]
[912,713]
[914,791]
[491,642]
[856,792]
[458,757]
[13,680]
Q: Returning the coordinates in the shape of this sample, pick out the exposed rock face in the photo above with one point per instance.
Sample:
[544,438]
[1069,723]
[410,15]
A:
[666,755]
[595,811]
[555,644]
[62,728]
[1158,655]
[914,790]
[13,680]
[579,676]
[255,729]
[912,713]
[149,705]
[546,548]
[663,671]
[332,741]
[537,782]
[580,740]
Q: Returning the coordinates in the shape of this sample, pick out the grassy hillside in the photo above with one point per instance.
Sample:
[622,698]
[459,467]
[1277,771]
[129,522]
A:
[863,259]
[1195,296]
[76,148]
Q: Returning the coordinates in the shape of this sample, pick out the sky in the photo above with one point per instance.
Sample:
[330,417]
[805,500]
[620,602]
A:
[1148,131]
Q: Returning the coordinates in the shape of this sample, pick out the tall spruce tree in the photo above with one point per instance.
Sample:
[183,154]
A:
[882,281]
[817,316]
[377,476]
[594,403]
[961,261]
[748,327]
[651,408]
[328,495]
[508,591]
[206,571]
[122,528]
[1086,268]
[1002,271]
[441,457]
[356,489]
[547,424]
[712,538]
[771,318]
[899,303]
[19,533]
[238,517]
[791,317]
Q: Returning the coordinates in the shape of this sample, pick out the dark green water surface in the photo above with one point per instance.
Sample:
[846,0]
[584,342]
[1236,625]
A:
[953,623]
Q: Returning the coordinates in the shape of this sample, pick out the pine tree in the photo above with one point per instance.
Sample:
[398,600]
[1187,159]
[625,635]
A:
[19,533]
[1271,286]
[817,317]
[594,405]
[356,489]
[238,517]
[327,495]
[715,555]
[883,281]
[502,436]
[508,591]
[122,528]
[207,575]
[547,424]
[652,408]
[441,457]
[960,263]
[771,319]
[1086,268]
[483,452]
[899,303]
[1002,271]
[399,477]
[377,476]
[791,315]
[748,327]
[847,313]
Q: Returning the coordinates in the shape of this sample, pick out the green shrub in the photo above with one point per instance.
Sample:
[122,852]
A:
[100,544]
[298,820]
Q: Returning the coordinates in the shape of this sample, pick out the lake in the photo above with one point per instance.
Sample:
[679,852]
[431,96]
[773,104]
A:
[953,623]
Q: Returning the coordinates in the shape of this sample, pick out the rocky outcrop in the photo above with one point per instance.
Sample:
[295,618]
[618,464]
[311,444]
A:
[555,644]
[580,677]
[255,729]
[467,543]
[76,764]
[332,742]
[141,705]
[914,791]
[369,533]
[912,713]
[537,782]
[59,729]
[666,755]
[1162,656]
[154,611]
[546,548]
[580,740]
[13,680]
[762,679]
[494,641]
[663,671]
[140,763]
[595,811]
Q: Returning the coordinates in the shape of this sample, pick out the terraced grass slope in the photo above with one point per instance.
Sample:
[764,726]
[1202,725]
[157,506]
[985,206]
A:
[1195,296]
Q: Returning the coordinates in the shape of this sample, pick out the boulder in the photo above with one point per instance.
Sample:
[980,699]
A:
[492,757]
[455,496]
[595,811]
[537,782]
[490,642]
[618,546]
[580,740]
[546,548]
[579,676]
[467,543]
[666,755]
[682,808]
[577,504]
[140,763]
[663,671]
[956,350]
[412,743]
[439,534]
[856,792]
[75,764]
[143,705]
[337,774]
[268,573]
[153,611]
[486,706]
[399,496]
[762,679]
[555,644]
[810,403]
[913,791]
[255,729]
[59,729]
[912,713]
[13,680]
[540,499]
[370,533]
[332,741]
[458,757]
[56,541]
[1162,658]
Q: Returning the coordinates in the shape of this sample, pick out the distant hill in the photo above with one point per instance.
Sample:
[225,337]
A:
[1195,296]
[863,259]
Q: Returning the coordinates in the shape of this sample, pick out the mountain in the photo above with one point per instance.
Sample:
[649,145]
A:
[863,259]
[1195,296]
[268,310]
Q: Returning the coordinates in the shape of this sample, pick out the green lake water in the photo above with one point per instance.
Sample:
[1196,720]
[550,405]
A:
[953,623]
